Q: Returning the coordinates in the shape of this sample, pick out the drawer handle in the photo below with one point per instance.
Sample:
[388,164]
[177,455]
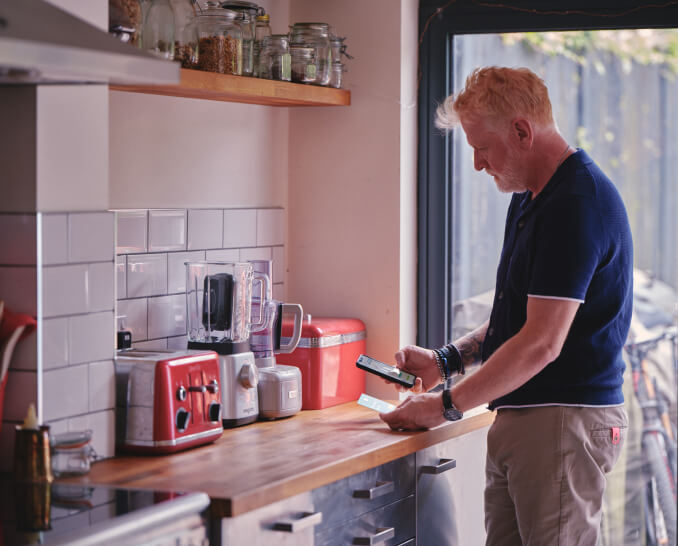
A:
[306,520]
[382,534]
[443,466]
[382,488]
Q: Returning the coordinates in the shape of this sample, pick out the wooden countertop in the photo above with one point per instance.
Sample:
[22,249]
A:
[255,465]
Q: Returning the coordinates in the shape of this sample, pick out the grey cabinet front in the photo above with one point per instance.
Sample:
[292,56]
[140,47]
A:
[450,485]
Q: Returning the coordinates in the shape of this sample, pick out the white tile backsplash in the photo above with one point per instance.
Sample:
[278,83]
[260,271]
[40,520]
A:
[176,269]
[54,239]
[270,227]
[91,237]
[146,275]
[55,343]
[91,337]
[101,386]
[205,229]
[167,316]
[101,287]
[178,343]
[261,253]
[240,228]
[278,264]
[132,231]
[136,317]
[152,345]
[65,290]
[166,230]
[121,276]
[224,255]
[65,391]
[18,239]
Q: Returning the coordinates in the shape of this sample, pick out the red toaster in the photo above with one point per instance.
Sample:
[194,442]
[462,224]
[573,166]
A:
[166,401]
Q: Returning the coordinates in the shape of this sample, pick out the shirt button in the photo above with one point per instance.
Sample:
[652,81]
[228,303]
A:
[521,224]
[490,332]
[500,296]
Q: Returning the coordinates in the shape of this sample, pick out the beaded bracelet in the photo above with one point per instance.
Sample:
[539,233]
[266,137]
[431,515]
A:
[439,362]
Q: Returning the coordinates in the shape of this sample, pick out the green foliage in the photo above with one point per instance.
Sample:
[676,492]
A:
[639,46]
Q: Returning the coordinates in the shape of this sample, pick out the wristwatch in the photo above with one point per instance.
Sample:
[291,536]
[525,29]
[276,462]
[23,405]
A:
[450,412]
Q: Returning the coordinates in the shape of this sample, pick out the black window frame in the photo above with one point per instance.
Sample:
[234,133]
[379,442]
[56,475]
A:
[439,22]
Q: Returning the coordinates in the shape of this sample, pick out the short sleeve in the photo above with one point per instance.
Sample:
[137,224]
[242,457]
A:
[567,250]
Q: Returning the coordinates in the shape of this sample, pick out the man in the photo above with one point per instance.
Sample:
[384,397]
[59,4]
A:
[551,349]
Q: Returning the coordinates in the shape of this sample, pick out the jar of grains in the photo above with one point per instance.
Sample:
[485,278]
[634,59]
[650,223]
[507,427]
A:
[304,68]
[186,32]
[248,19]
[219,40]
[274,58]
[317,37]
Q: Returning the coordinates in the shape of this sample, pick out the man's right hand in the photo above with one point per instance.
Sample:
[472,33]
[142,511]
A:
[420,362]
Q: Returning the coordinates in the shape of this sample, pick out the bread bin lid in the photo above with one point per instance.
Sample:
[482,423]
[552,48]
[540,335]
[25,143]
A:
[320,332]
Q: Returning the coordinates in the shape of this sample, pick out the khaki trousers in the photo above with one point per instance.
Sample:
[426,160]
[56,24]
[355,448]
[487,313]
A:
[545,473]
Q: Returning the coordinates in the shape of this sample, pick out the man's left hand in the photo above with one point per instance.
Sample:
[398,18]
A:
[418,411]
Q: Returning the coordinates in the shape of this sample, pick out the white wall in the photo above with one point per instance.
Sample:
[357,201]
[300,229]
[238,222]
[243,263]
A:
[352,181]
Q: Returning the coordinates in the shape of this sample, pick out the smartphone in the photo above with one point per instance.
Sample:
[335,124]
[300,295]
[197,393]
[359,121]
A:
[390,373]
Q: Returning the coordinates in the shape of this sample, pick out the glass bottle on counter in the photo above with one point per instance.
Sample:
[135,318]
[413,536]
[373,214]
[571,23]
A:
[219,40]
[159,29]
[315,36]
[274,58]
[248,15]
[186,32]
[262,29]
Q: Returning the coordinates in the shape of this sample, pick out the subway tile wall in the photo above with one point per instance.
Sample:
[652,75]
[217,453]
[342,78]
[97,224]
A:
[60,268]
[152,247]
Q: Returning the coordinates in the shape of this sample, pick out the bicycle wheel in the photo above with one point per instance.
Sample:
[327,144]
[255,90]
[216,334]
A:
[660,467]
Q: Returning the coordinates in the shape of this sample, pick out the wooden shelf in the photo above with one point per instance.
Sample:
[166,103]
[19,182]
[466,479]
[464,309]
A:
[196,84]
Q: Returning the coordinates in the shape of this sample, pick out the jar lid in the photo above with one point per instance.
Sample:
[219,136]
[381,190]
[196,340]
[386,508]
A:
[212,9]
[263,18]
[239,5]
[311,26]
[71,440]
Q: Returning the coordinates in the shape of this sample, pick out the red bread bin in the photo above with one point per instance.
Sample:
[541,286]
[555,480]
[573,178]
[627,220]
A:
[326,356]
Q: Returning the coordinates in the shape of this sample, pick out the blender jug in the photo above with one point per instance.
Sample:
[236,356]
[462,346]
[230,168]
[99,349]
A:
[218,302]
[279,387]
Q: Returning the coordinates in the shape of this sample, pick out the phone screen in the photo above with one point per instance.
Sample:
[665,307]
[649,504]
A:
[385,370]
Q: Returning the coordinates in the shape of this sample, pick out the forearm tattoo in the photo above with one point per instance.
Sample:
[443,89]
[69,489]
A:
[471,345]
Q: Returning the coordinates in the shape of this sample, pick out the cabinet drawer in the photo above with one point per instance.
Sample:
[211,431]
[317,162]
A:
[389,525]
[361,493]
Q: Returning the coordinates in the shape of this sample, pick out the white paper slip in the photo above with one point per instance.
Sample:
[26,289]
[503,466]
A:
[375,404]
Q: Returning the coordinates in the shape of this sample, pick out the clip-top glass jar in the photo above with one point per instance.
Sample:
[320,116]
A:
[274,58]
[248,16]
[219,40]
[315,36]
[186,32]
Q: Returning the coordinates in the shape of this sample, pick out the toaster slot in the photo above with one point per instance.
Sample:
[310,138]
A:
[197,390]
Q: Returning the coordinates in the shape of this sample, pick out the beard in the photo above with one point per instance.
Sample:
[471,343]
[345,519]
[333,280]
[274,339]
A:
[512,179]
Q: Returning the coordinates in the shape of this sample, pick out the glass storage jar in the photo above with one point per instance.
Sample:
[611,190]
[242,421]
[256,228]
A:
[219,40]
[124,20]
[274,58]
[336,74]
[158,31]
[186,32]
[303,60]
[262,29]
[248,16]
[317,37]
[72,453]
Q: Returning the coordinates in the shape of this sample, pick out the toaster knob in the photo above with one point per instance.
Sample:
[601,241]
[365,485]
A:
[181,393]
[183,417]
[213,386]
[214,411]
[248,376]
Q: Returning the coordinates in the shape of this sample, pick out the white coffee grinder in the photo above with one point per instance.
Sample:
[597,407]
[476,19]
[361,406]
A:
[218,302]
[279,385]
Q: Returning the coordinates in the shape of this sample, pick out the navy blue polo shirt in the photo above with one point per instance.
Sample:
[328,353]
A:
[573,241]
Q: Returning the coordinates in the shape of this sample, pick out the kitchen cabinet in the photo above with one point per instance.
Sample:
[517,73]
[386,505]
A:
[198,84]
[450,486]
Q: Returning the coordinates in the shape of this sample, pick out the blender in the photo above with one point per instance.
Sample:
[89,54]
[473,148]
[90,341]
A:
[218,301]
[279,386]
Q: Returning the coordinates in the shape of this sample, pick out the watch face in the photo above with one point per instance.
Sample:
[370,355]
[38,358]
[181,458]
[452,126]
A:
[452,414]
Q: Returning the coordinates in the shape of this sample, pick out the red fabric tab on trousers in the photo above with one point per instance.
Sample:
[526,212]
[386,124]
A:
[616,435]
